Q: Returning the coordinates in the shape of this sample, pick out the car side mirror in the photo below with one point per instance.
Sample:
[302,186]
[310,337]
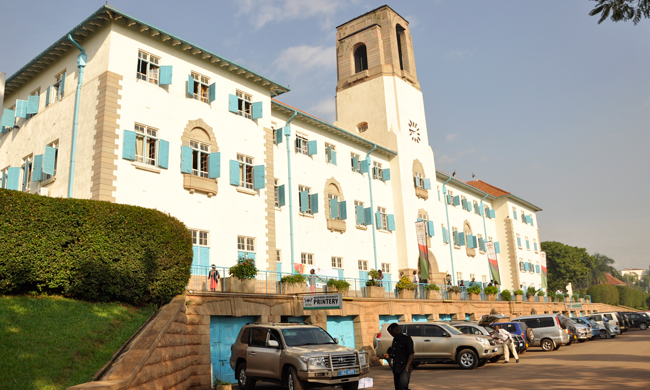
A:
[336,340]
[445,334]
[273,344]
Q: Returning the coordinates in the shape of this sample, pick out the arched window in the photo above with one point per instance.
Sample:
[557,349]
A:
[401,44]
[360,59]
[470,240]
[335,206]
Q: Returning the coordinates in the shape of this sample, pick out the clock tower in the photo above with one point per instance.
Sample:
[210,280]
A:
[378,97]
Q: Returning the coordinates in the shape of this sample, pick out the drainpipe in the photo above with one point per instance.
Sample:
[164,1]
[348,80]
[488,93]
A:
[81,63]
[372,204]
[451,244]
[485,233]
[287,133]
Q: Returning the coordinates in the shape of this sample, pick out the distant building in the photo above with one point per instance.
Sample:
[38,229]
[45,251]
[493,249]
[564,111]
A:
[637,272]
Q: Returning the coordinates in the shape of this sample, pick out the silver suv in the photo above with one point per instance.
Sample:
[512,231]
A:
[550,330]
[295,355]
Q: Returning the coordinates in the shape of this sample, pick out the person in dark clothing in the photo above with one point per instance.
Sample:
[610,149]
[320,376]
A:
[402,354]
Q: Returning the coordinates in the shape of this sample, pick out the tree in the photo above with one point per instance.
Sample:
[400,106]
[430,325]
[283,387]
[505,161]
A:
[566,264]
[622,10]
[602,264]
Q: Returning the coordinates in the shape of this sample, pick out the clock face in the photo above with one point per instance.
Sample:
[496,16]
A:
[414,131]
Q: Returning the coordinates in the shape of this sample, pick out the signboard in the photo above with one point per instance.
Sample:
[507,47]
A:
[322,301]
[423,259]
[573,306]
[542,258]
[494,262]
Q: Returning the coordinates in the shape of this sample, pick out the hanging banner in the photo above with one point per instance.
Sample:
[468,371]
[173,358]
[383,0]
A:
[421,231]
[494,263]
[542,257]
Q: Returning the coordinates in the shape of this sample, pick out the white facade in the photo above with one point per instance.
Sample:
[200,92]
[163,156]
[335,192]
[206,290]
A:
[133,135]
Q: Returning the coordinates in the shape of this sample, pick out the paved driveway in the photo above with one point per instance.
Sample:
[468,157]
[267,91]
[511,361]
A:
[619,363]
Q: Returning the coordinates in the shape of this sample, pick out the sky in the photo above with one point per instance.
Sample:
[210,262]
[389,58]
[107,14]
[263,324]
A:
[534,97]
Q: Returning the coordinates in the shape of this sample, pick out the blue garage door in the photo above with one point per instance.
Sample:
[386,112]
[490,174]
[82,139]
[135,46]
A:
[387,320]
[342,328]
[223,332]
[420,318]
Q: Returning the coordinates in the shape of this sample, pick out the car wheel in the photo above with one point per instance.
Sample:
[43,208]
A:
[603,334]
[467,359]
[245,383]
[643,326]
[547,345]
[294,382]
[495,359]
[482,362]
[350,385]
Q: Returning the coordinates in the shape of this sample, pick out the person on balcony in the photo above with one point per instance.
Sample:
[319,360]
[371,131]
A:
[213,278]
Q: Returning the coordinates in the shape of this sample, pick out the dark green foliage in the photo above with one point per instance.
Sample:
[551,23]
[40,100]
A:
[293,279]
[340,285]
[566,264]
[621,10]
[91,250]
[245,269]
[506,295]
[631,297]
[475,289]
[491,290]
[603,293]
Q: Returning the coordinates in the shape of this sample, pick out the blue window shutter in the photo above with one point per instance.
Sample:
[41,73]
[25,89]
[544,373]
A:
[492,214]
[361,220]
[278,136]
[343,211]
[461,238]
[233,104]
[212,92]
[281,201]
[195,255]
[531,221]
[519,242]
[427,184]
[186,159]
[430,231]
[445,235]
[334,208]
[190,85]
[128,145]
[333,158]
[304,201]
[469,241]
[49,158]
[497,248]
[514,213]
[419,219]
[314,203]
[481,244]
[464,202]
[367,215]
[9,118]
[47,95]
[364,166]
[204,256]
[391,222]
[258,177]
[165,75]
[13,179]
[456,200]
[472,240]
[163,154]
[525,266]
[32,104]
[37,170]
[234,172]
[214,165]
[62,86]
[534,243]
[385,174]
[538,268]
[257,110]
[355,163]
[378,219]
[312,148]
[21,108]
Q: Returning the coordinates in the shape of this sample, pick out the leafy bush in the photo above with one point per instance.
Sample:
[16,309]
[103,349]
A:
[455,289]
[540,293]
[474,290]
[631,297]
[373,275]
[244,269]
[559,297]
[340,285]
[294,279]
[551,294]
[432,287]
[518,292]
[491,290]
[530,292]
[604,293]
[575,297]
[506,296]
[405,284]
[91,250]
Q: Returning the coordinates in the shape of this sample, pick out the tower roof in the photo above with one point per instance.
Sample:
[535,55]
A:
[371,11]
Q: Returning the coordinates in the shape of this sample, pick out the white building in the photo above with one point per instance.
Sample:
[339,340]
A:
[165,124]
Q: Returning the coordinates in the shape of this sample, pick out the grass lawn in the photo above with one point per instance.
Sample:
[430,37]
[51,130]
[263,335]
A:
[52,342]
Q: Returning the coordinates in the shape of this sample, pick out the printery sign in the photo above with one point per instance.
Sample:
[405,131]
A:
[322,301]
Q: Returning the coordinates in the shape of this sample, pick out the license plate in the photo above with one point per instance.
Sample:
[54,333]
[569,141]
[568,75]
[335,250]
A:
[347,372]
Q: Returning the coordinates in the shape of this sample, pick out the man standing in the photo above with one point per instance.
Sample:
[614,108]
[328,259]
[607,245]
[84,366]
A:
[606,323]
[416,281]
[402,354]
[508,345]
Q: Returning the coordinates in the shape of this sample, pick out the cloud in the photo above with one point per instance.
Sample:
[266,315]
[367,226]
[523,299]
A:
[450,137]
[446,159]
[459,55]
[262,12]
[325,109]
[301,59]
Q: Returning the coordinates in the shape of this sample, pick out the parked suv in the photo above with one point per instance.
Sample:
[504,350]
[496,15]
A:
[638,320]
[549,331]
[296,356]
[439,342]
[485,327]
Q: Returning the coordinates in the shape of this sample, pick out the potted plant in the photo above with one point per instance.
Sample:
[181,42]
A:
[373,289]
[220,384]
[519,295]
[474,293]
[540,295]
[491,293]
[530,292]
[454,292]
[432,291]
[406,288]
[242,276]
[293,284]
[559,297]
[336,286]
[581,297]
[575,297]
[506,295]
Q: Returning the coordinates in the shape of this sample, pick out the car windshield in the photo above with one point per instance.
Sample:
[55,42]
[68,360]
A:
[451,329]
[294,337]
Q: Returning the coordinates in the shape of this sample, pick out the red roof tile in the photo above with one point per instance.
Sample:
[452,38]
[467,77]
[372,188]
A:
[489,188]
[614,281]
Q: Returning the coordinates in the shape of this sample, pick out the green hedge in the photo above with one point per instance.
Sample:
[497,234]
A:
[631,297]
[92,250]
[603,293]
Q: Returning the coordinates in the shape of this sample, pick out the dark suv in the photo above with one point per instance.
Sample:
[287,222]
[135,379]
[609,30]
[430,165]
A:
[638,320]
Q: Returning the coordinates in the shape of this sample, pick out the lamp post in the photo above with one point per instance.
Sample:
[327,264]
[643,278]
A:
[448,277]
